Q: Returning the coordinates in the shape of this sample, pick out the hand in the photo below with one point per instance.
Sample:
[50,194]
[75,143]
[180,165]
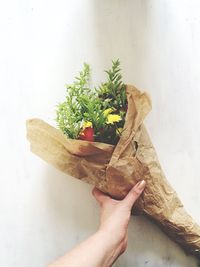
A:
[115,216]
[110,241]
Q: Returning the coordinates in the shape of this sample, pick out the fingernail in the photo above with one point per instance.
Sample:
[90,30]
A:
[141,185]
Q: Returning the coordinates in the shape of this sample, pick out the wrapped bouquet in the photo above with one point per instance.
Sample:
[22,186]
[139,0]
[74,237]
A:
[102,140]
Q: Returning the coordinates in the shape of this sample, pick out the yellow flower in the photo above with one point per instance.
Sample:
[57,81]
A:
[107,111]
[87,124]
[111,118]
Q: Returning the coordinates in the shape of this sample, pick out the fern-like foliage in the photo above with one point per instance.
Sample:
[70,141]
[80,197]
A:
[69,112]
[114,89]
[81,105]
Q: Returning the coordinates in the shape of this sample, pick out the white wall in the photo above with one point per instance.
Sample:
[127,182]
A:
[43,45]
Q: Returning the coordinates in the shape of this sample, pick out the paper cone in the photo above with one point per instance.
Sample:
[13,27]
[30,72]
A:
[115,169]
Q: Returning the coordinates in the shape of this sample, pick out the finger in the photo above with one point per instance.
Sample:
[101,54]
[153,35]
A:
[134,194]
[100,196]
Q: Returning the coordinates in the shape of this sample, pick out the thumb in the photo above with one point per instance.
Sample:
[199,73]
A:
[100,196]
[134,194]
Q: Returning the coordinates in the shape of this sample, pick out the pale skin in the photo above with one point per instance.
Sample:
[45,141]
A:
[104,247]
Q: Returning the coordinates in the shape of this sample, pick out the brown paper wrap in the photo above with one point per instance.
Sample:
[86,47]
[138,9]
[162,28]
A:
[115,169]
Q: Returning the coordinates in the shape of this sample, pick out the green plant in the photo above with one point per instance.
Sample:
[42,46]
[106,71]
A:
[85,108]
[114,89]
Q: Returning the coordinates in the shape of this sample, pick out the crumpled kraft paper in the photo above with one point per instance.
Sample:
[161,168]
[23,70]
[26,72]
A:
[115,169]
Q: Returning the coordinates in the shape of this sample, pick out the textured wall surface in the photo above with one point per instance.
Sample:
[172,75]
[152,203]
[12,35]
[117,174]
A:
[43,45]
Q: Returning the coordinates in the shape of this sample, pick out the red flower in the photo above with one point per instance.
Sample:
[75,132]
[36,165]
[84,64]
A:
[87,134]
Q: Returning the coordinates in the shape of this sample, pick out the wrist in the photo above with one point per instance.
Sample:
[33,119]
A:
[114,237]
[110,240]
[112,247]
